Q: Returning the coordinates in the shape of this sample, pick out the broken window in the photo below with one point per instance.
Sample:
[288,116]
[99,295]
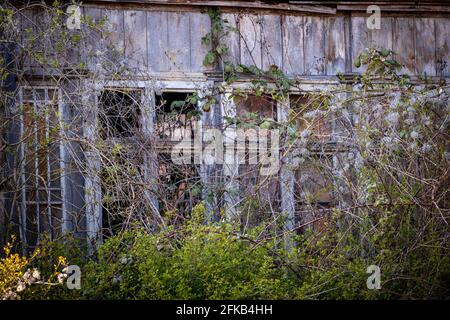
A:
[42,200]
[313,189]
[176,116]
[256,115]
[310,113]
[121,172]
[180,187]
[179,184]
[119,113]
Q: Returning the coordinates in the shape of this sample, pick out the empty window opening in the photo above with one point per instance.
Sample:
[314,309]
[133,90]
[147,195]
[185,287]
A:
[176,116]
[253,114]
[313,189]
[310,112]
[180,188]
[119,113]
[122,165]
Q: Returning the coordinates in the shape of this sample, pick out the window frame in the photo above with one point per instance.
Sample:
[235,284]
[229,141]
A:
[62,164]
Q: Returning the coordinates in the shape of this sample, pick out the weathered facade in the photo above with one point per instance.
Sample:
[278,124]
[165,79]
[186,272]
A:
[160,42]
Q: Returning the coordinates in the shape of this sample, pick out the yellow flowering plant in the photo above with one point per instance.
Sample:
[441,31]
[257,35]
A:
[15,277]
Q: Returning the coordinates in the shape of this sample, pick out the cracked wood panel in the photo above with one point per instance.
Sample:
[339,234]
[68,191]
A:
[29,32]
[179,47]
[163,41]
[157,39]
[335,45]
[363,37]
[232,39]
[115,36]
[314,48]
[94,41]
[360,36]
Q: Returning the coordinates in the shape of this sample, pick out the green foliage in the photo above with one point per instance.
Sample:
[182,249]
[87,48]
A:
[197,261]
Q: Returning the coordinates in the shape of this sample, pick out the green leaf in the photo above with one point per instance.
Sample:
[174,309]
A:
[209,59]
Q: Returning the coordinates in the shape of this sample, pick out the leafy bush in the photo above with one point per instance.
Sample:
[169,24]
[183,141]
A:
[198,261]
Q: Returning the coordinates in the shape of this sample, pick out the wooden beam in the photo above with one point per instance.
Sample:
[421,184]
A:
[395,7]
[236,4]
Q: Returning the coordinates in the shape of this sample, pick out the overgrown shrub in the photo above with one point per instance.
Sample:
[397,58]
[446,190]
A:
[196,261]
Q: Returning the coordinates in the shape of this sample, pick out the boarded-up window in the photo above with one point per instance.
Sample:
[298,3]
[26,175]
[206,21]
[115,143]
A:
[41,166]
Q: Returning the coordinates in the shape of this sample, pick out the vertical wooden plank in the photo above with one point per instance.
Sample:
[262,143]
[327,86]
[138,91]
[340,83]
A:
[359,39]
[382,38]
[293,55]
[200,26]
[272,43]
[442,46]
[250,42]
[314,49]
[232,39]
[115,35]
[335,45]
[403,43]
[179,49]
[28,31]
[425,46]
[157,39]
[93,43]
[135,25]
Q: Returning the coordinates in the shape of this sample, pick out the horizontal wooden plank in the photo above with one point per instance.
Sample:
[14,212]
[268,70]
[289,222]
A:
[294,7]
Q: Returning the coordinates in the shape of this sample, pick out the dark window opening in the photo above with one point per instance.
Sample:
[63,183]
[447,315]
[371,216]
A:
[122,194]
[263,191]
[258,107]
[119,120]
[176,115]
[311,113]
[180,188]
[313,190]
[119,113]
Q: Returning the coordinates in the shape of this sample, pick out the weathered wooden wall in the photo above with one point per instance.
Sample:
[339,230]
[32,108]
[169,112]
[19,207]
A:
[166,42]
[157,41]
